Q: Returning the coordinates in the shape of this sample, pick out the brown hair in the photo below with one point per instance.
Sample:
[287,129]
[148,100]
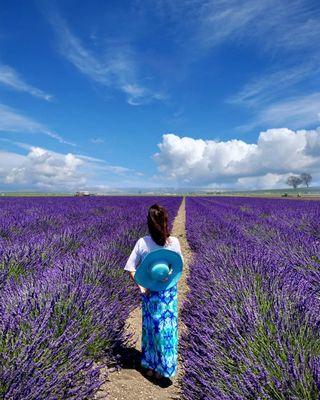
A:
[158,224]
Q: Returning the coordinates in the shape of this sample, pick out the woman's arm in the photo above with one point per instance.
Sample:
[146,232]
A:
[141,288]
[132,274]
[132,263]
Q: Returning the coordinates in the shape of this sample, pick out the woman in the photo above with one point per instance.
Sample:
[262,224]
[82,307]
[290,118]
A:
[159,345]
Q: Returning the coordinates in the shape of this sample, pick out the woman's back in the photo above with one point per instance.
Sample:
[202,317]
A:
[148,244]
[145,245]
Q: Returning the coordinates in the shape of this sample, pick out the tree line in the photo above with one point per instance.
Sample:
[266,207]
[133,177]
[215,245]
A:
[296,180]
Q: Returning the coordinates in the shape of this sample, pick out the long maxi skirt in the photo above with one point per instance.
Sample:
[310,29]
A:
[159,343]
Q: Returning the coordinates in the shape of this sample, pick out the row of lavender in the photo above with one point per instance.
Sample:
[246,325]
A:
[253,310]
[64,296]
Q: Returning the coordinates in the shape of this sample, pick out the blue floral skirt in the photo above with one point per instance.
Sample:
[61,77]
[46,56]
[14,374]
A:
[159,343]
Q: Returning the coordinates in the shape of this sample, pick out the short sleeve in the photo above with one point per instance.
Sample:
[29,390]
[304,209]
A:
[134,258]
[178,248]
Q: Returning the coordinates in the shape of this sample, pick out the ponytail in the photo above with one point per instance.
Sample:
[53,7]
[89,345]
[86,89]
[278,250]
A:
[158,224]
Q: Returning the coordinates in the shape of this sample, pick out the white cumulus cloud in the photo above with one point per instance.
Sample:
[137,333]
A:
[276,154]
[42,168]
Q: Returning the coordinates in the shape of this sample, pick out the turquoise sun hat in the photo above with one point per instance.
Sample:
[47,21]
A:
[159,270]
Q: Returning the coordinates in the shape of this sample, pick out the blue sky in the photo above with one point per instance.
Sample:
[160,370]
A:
[219,93]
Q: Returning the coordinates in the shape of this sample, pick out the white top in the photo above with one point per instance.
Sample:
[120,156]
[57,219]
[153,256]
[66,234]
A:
[145,245]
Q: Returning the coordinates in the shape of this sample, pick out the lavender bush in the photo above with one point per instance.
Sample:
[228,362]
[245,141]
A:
[63,293]
[253,311]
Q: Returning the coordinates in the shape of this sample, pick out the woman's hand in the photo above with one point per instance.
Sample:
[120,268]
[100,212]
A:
[142,289]
[145,291]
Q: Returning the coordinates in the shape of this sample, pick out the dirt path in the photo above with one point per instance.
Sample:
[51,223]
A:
[129,383]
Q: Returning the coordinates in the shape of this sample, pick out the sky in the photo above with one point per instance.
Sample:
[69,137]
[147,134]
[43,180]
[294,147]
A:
[158,93]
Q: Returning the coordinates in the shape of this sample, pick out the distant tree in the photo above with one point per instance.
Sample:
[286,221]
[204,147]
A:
[306,178]
[294,181]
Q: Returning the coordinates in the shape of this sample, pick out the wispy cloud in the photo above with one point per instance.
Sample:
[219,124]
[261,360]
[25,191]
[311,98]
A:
[97,140]
[104,166]
[117,169]
[137,95]
[116,68]
[297,112]
[272,85]
[10,78]
[12,121]
[22,145]
[272,24]
[89,158]
[224,20]
[292,33]
[286,36]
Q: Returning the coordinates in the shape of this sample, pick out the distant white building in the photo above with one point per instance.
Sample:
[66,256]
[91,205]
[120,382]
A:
[84,193]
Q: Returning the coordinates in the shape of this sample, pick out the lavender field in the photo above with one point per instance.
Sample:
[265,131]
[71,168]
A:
[253,310]
[64,297]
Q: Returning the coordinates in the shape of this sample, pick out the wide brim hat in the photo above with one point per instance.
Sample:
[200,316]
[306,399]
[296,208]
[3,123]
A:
[160,270]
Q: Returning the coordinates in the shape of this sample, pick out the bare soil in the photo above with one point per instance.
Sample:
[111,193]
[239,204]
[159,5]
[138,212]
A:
[131,383]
